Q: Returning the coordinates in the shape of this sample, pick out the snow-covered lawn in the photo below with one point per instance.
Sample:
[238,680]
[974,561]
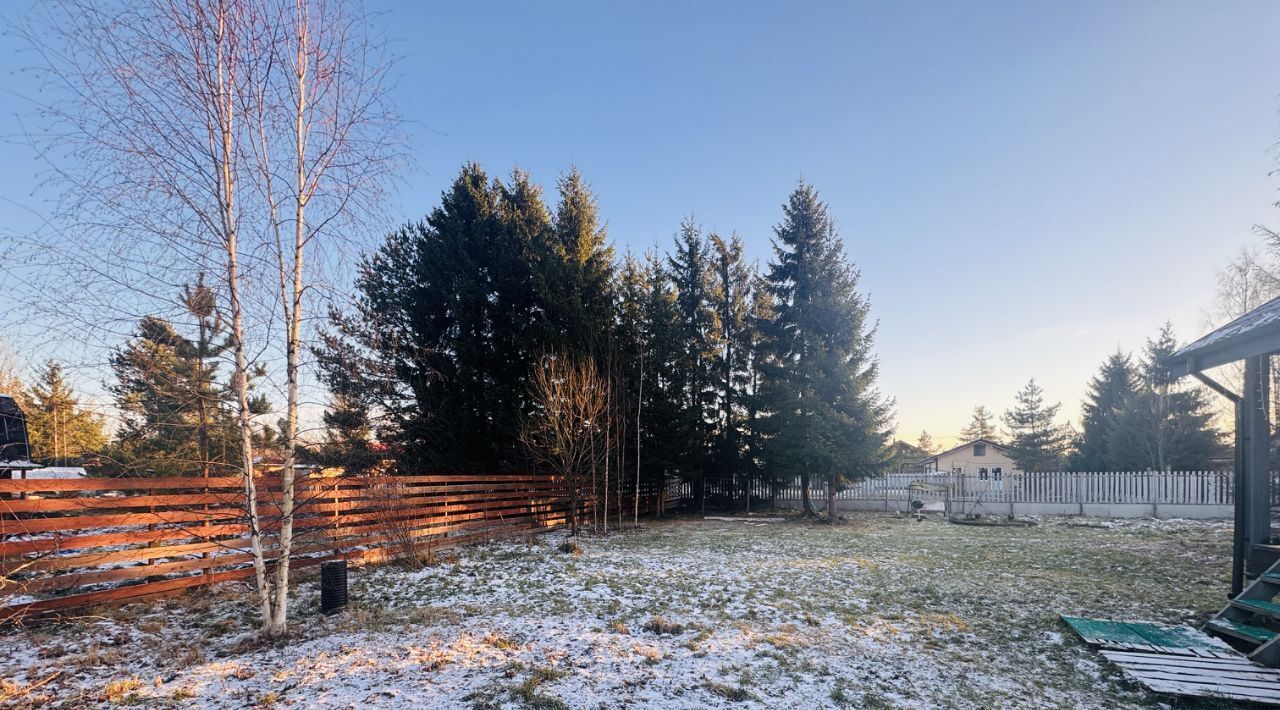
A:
[879,612]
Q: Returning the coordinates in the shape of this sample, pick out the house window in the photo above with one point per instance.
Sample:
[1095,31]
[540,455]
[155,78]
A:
[997,473]
[957,470]
[984,473]
[979,449]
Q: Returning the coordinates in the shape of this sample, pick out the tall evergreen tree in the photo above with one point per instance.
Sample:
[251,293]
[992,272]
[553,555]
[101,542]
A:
[581,302]
[980,426]
[690,271]
[61,431]
[759,316]
[152,390]
[1165,425]
[661,426]
[1108,394]
[826,417]
[730,297]
[451,315]
[1035,442]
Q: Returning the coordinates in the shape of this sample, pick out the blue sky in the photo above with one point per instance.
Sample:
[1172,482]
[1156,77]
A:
[1025,186]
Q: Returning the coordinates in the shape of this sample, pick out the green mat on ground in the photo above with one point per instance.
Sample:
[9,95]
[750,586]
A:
[1102,633]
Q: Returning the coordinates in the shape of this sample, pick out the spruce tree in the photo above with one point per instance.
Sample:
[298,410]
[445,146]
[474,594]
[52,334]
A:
[980,426]
[925,443]
[1165,425]
[826,417]
[759,315]
[580,299]
[730,297]
[1108,394]
[176,417]
[60,429]
[348,435]
[452,314]
[691,273]
[1035,442]
[662,426]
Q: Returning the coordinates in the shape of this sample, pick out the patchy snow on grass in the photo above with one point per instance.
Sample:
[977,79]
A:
[880,612]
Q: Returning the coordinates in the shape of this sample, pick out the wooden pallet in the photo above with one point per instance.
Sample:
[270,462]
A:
[1235,678]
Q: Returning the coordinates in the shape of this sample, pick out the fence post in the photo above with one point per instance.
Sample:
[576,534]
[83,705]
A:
[1079,492]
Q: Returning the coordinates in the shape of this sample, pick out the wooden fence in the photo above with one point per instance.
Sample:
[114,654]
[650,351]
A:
[1108,488]
[67,543]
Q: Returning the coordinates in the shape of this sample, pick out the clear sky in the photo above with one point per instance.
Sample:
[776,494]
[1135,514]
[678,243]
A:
[1025,186]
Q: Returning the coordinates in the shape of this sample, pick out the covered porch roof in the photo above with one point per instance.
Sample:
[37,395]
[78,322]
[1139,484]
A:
[1252,334]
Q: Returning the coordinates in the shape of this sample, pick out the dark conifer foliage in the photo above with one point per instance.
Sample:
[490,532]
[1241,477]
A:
[713,369]
[1036,442]
[825,416]
[1165,425]
[1109,393]
[451,313]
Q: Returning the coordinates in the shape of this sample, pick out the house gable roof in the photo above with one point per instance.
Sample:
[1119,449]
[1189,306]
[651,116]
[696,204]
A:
[988,442]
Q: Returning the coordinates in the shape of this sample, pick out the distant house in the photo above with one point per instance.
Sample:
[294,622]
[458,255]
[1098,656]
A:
[904,458]
[984,461]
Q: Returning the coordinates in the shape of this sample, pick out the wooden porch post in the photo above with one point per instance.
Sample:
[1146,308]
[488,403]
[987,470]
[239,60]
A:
[1257,483]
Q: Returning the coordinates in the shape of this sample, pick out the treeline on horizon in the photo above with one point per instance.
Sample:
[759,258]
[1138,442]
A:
[721,368]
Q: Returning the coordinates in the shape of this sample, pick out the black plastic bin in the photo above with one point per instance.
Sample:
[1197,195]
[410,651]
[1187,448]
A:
[333,586]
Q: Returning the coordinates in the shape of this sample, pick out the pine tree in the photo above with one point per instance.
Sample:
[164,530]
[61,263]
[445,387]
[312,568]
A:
[759,316]
[825,416]
[925,443]
[1108,394]
[690,273]
[980,426]
[1165,425]
[60,430]
[1035,442]
[176,416]
[730,298]
[663,427]
[158,424]
[581,301]
[452,314]
[348,435]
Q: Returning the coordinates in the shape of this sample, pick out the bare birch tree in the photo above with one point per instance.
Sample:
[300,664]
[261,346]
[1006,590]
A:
[243,138]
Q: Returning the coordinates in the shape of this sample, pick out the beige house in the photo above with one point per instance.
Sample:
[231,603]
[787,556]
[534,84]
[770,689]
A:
[983,462]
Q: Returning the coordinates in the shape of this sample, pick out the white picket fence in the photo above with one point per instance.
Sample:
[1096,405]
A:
[1205,494]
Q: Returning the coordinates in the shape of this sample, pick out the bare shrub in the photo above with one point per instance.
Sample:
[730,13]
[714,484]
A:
[566,432]
[398,522]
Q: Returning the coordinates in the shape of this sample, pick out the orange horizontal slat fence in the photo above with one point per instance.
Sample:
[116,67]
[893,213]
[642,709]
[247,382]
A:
[67,543]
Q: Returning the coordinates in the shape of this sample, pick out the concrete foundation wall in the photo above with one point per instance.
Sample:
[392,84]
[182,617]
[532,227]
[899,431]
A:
[1093,510]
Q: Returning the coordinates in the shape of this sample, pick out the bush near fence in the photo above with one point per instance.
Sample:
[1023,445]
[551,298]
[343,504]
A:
[67,543]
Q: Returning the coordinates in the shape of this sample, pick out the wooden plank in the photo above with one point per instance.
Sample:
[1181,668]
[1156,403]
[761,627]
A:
[1237,678]
[89,522]
[1133,657]
[56,543]
[57,485]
